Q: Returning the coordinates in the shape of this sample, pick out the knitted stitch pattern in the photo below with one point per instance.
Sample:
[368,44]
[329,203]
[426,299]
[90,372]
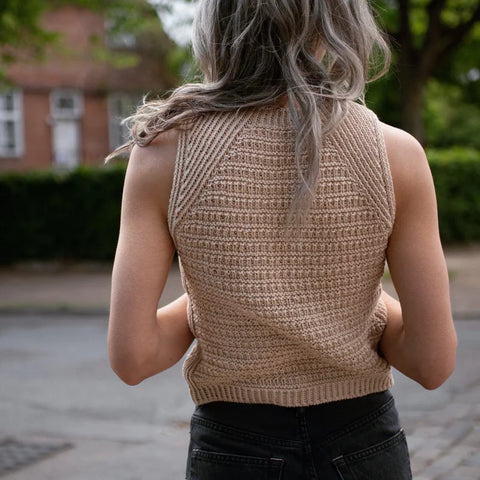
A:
[279,319]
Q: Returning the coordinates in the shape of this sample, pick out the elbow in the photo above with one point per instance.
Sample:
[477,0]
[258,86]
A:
[439,371]
[434,381]
[127,377]
[130,380]
[125,365]
[127,361]
[126,372]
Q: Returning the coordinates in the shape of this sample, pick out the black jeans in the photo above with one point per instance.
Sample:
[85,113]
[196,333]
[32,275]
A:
[357,439]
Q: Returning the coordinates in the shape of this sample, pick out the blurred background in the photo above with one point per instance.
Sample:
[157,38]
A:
[70,71]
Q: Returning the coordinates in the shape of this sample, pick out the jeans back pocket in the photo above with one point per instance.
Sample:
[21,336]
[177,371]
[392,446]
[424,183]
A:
[220,466]
[388,460]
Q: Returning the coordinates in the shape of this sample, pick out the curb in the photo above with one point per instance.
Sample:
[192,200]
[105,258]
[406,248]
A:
[53,310]
[466,315]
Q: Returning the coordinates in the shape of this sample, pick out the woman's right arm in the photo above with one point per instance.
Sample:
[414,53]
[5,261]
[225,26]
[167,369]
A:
[419,339]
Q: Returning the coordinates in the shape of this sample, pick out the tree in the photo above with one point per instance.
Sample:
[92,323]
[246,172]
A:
[425,36]
[21,32]
[20,29]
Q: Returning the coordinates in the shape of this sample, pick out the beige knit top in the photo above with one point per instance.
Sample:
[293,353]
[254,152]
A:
[279,319]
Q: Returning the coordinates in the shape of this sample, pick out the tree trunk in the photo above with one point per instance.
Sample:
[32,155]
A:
[412,98]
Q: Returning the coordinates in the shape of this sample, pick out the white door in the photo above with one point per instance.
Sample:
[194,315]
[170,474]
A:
[66,143]
[66,108]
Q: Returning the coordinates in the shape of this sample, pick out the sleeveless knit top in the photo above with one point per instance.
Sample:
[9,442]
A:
[279,319]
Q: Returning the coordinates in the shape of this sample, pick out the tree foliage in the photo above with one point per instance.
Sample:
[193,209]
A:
[432,39]
[21,30]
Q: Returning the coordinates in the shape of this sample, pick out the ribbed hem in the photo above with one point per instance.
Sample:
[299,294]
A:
[300,397]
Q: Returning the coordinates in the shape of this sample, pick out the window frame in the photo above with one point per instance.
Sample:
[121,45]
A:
[60,116]
[75,112]
[15,115]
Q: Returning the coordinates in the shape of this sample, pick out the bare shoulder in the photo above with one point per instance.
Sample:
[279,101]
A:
[408,162]
[150,169]
[158,155]
[402,148]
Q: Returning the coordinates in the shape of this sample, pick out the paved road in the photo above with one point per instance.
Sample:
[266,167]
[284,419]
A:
[57,386]
[57,389]
[443,426]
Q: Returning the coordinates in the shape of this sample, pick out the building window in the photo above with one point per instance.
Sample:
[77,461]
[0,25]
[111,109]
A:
[66,104]
[120,106]
[11,124]
[66,109]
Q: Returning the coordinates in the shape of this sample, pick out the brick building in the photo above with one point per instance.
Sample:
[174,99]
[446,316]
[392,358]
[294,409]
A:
[66,110]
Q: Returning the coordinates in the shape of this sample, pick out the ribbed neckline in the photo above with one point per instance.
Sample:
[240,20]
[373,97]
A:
[280,114]
[273,113]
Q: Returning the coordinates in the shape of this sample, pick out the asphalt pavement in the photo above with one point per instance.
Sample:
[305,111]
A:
[65,415]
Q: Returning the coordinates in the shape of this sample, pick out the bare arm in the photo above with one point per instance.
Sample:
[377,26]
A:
[143,341]
[420,338]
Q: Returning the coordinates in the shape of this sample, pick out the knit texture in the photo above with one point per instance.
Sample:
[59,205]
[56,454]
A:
[279,319]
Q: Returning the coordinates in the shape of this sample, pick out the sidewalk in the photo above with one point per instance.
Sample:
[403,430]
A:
[85,288]
[78,288]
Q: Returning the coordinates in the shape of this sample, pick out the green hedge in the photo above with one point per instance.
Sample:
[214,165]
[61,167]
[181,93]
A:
[47,215]
[456,173]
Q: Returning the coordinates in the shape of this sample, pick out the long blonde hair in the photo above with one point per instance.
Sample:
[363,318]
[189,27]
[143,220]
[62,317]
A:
[254,52]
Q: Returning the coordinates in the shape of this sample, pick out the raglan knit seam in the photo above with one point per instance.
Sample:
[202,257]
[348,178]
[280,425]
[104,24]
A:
[386,171]
[365,194]
[388,207]
[213,174]
[183,151]
[240,134]
[181,205]
[175,189]
[354,174]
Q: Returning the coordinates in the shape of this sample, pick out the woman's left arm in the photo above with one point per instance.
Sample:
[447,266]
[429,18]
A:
[142,339]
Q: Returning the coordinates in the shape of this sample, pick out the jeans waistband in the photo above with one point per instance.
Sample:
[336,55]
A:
[283,421]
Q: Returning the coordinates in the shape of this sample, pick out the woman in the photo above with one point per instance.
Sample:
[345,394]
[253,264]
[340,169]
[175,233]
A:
[283,196]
